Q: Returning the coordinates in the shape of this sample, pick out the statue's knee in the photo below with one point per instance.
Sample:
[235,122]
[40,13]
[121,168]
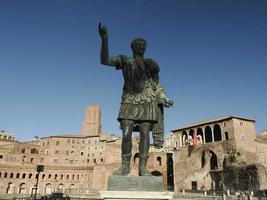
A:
[127,137]
[127,129]
[145,127]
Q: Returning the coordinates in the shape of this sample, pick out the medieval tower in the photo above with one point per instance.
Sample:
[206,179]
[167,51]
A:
[92,121]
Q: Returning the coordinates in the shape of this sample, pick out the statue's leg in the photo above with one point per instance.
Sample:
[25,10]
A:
[144,148]
[126,148]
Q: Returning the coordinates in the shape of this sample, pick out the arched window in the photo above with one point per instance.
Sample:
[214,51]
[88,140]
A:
[71,186]
[24,175]
[208,134]
[61,188]
[200,135]
[10,188]
[48,188]
[191,136]
[30,176]
[217,133]
[34,151]
[184,138]
[11,175]
[22,188]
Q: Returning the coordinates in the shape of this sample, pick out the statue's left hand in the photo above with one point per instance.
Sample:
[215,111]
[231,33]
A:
[167,102]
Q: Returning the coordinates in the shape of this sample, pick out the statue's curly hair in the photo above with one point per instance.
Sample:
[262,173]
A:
[134,42]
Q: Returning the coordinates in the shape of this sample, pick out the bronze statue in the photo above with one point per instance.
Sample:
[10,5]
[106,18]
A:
[142,101]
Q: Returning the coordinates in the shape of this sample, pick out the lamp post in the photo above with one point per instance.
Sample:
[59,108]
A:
[39,168]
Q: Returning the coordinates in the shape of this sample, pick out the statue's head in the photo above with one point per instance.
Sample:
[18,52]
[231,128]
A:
[138,46]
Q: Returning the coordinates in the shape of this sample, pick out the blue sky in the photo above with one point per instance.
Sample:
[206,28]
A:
[212,56]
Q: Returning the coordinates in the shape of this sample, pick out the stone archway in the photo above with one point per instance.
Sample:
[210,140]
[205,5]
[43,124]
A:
[213,161]
[217,133]
[208,134]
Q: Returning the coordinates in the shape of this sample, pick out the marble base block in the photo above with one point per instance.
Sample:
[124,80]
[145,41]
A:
[135,183]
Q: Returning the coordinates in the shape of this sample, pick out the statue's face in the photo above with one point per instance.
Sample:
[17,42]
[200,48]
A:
[140,47]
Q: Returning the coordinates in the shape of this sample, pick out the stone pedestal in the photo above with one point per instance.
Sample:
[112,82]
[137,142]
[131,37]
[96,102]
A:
[135,188]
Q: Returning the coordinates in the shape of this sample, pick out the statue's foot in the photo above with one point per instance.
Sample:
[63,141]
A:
[122,171]
[144,172]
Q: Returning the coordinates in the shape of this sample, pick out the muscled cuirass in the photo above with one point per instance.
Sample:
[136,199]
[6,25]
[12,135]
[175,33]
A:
[138,84]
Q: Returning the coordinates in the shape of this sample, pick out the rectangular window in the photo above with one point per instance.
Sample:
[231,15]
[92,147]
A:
[226,136]
[1,156]
[56,151]
[57,143]
[194,185]
[242,135]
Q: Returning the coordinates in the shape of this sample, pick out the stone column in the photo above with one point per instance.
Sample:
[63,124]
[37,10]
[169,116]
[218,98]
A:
[212,133]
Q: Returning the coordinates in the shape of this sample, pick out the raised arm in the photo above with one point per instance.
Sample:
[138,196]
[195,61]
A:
[104,53]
